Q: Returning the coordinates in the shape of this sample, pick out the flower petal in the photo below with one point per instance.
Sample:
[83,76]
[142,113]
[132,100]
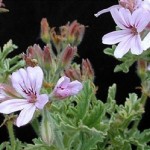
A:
[126,17]
[106,10]
[115,36]
[13,105]
[25,115]
[119,18]
[41,101]
[35,75]
[146,42]
[62,82]
[136,46]
[25,79]
[123,47]
[140,19]
[75,87]
[20,81]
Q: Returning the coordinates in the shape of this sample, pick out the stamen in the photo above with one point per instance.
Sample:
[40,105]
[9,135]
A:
[134,30]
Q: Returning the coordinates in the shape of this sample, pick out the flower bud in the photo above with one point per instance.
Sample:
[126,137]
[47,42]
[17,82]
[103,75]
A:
[47,134]
[56,39]
[68,55]
[47,54]
[76,31]
[45,30]
[73,73]
[142,68]
[73,32]
[87,69]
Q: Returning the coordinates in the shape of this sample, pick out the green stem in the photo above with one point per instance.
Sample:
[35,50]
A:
[143,99]
[141,70]
[35,126]
[11,134]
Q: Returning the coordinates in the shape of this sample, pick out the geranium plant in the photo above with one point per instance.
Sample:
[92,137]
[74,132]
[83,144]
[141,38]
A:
[47,89]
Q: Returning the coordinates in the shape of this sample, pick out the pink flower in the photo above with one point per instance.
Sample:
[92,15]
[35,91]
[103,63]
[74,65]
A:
[65,88]
[131,25]
[27,82]
[128,4]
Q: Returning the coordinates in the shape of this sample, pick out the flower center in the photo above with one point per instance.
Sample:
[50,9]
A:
[31,94]
[134,30]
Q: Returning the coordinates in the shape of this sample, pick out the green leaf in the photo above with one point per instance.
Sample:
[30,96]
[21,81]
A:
[124,66]
[9,65]
[110,106]
[7,48]
[110,51]
[3,145]
[145,136]
[111,93]
[90,137]
[38,145]
[95,114]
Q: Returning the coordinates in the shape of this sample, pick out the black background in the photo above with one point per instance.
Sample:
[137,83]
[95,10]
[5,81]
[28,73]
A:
[22,25]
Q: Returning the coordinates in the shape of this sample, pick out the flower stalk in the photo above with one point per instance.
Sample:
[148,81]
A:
[10,129]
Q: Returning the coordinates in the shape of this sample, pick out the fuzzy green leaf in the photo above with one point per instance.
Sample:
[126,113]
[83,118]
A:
[110,51]
[38,145]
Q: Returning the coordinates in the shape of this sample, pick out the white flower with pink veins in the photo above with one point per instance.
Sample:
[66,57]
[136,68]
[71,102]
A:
[26,82]
[132,5]
[128,37]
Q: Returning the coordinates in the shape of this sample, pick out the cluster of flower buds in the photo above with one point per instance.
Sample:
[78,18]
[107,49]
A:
[132,19]
[71,33]
[36,56]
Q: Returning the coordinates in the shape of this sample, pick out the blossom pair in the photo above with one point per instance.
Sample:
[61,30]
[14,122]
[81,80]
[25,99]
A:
[24,94]
[132,18]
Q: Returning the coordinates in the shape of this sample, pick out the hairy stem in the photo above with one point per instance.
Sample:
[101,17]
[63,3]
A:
[11,134]
[35,125]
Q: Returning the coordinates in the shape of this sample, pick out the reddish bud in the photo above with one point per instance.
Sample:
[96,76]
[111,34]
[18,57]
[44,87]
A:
[29,61]
[73,32]
[45,30]
[56,39]
[68,55]
[74,73]
[87,69]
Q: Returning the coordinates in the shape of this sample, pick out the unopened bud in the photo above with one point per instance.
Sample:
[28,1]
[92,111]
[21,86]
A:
[47,55]
[47,134]
[68,55]
[87,69]
[29,61]
[76,33]
[142,68]
[73,74]
[45,31]
[56,39]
